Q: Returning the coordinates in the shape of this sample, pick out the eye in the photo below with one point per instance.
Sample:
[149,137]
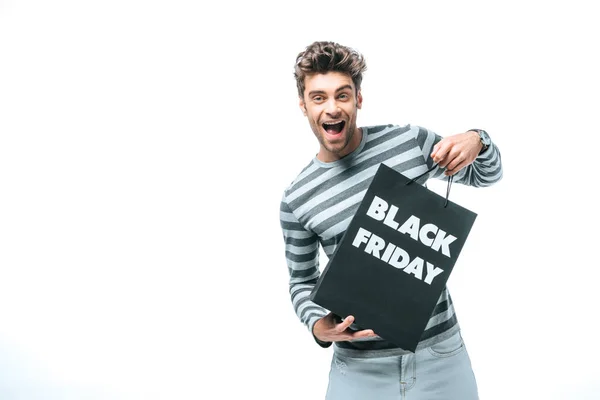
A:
[318,99]
[343,96]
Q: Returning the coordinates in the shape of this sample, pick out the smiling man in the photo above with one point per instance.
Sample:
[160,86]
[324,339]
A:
[330,105]
[317,208]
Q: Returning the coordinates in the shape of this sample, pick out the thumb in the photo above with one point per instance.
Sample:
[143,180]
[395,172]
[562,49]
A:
[342,326]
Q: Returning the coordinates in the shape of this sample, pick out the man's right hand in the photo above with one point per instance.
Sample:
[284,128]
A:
[327,329]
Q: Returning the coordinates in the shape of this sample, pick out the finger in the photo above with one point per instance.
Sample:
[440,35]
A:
[363,334]
[435,149]
[441,153]
[443,162]
[454,163]
[453,158]
[342,326]
[455,170]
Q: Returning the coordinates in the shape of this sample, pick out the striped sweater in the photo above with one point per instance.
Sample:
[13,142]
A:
[318,205]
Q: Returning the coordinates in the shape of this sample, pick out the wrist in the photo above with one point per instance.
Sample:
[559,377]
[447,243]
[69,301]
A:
[484,139]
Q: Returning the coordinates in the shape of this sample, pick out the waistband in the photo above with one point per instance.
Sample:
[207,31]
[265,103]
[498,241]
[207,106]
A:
[397,351]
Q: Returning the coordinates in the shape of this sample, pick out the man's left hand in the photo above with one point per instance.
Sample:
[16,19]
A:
[457,151]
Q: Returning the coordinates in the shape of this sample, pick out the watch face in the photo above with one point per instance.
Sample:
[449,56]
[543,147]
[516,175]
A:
[485,138]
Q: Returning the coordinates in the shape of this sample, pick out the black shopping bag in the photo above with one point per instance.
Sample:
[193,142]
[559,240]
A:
[395,258]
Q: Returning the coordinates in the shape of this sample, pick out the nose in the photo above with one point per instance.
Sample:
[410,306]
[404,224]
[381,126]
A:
[332,108]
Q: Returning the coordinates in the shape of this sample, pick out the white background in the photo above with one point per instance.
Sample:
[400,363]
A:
[145,145]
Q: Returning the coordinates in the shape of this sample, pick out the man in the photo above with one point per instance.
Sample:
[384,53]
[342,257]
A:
[317,208]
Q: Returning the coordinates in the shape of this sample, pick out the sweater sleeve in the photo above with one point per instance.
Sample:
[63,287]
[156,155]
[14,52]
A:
[302,256]
[484,171]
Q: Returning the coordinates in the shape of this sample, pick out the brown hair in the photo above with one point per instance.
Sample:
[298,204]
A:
[322,57]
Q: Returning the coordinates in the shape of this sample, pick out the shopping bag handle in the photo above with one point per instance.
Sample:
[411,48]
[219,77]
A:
[428,171]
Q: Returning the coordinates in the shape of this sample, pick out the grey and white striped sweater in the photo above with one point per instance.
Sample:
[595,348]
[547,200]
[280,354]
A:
[318,205]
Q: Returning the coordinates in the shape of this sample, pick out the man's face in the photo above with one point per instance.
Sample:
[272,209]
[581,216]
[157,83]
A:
[330,103]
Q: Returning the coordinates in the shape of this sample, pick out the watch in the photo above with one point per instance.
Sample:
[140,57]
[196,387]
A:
[485,139]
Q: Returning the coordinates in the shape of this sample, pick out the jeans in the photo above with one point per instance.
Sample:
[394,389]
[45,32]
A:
[440,372]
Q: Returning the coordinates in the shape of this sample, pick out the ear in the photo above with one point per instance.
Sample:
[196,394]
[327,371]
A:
[359,100]
[302,105]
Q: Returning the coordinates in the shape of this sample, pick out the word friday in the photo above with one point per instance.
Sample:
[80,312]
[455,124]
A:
[395,256]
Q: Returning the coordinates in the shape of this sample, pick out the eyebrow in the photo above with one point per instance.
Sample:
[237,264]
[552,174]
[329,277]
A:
[313,92]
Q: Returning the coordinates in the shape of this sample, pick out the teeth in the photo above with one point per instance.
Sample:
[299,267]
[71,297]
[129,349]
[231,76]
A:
[332,123]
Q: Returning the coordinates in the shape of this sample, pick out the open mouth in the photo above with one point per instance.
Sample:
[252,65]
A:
[334,128]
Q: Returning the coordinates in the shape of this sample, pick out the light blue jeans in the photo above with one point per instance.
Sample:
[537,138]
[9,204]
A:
[440,372]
